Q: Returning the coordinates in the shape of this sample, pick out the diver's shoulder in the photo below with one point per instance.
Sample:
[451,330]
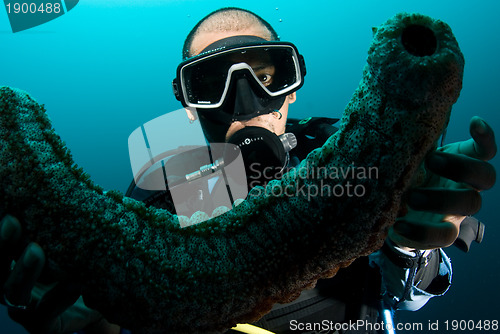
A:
[311,133]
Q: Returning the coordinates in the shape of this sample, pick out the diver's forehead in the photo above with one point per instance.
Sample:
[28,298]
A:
[205,38]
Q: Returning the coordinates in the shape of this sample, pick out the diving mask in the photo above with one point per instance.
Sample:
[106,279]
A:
[274,69]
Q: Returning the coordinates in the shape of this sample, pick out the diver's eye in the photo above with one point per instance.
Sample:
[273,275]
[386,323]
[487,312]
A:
[266,79]
[264,72]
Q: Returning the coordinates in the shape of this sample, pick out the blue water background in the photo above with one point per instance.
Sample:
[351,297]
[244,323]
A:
[106,67]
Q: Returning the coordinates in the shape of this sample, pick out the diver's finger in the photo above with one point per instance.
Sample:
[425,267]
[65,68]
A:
[478,174]
[10,233]
[482,145]
[464,202]
[50,310]
[17,289]
[426,234]
[58,300]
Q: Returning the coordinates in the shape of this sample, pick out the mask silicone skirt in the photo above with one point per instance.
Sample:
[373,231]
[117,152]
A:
[144,272]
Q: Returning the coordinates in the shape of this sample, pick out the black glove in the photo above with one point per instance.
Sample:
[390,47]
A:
[458,172]
[41,308]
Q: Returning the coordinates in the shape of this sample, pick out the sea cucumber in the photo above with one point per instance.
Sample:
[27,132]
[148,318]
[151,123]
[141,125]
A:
[143,271]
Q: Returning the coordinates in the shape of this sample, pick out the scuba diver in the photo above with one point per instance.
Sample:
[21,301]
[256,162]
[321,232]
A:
[239,80]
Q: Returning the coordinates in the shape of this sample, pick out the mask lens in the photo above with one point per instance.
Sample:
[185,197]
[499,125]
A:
[285,70]
[205,82]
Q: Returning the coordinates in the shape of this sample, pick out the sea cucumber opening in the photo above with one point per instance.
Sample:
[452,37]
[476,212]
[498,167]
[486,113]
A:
[419,41]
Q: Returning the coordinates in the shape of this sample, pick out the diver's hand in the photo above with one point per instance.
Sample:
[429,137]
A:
[459,171]
[56,308]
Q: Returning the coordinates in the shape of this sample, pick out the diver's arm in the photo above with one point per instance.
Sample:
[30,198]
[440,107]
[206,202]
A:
[413,267]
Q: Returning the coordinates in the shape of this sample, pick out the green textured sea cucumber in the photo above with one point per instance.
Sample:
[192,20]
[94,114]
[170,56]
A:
[144,272]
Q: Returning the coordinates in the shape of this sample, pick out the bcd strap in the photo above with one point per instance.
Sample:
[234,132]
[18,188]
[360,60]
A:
[405,261]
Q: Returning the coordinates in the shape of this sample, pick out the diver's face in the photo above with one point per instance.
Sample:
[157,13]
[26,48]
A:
[272,122]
